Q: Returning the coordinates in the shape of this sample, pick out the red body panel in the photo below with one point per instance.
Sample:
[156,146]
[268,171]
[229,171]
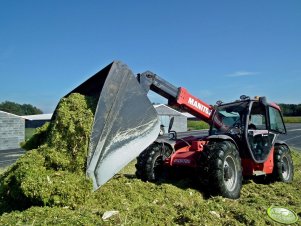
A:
[275,106]
[194,105]
[187,155]
[249,166]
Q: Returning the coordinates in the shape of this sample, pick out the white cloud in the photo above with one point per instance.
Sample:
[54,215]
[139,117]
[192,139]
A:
[242,74]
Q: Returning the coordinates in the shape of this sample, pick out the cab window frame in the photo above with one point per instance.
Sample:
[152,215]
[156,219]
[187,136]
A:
[276,115]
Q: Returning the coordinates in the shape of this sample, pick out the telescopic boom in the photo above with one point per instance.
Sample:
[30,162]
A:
[176,96]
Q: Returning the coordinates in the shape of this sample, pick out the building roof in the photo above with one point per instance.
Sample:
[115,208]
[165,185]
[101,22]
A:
[188,115]
[37,117]
[169,108]
[11,114]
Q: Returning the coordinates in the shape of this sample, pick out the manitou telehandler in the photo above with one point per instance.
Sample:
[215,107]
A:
[242,139]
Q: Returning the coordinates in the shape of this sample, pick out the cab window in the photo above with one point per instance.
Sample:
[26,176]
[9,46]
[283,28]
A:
[257,118]
[276,121]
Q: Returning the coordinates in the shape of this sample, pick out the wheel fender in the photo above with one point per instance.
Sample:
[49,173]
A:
[222,137]
[165,142]
[280,142]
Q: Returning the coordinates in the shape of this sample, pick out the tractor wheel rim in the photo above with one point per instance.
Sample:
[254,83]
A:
[285,168]
[231,178]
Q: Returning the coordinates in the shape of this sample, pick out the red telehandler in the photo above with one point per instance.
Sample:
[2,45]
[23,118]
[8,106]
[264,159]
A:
[241,142]
[242,139]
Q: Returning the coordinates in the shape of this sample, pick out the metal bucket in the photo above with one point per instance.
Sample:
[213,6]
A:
[125,121]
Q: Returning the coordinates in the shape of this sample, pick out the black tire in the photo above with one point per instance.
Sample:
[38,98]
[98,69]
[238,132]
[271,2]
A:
[150,163]
[283,164]
[224,171]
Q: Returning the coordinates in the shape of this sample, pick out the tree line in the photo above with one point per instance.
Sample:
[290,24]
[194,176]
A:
[291,109]
[19,109]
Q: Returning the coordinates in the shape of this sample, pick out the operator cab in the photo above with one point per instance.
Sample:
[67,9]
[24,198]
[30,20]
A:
[254,121]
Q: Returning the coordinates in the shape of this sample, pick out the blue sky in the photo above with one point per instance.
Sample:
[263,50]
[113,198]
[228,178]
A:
[218,50]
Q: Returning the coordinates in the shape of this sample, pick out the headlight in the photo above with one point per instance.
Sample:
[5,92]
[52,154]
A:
[172,136]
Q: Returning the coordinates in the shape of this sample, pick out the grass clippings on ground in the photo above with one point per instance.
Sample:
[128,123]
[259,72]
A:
[168,203]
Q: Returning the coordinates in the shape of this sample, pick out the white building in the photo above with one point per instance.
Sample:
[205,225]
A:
[12,131]
[165,113]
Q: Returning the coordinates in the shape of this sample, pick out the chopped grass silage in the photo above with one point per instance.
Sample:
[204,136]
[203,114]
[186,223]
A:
[29,132]
[168,203]
[2,170]
[52,172]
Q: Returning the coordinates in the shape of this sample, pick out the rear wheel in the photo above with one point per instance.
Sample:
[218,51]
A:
[224,169]
[150,163]
[283,164]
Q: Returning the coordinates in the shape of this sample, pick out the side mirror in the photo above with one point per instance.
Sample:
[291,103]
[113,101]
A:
[172,134]
[171,124]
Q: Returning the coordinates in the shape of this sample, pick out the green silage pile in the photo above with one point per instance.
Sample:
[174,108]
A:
[52,172]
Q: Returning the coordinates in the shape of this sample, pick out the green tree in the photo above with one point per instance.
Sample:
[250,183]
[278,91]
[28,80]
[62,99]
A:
[28,109]
[291,109]
[299,109]
[19,109]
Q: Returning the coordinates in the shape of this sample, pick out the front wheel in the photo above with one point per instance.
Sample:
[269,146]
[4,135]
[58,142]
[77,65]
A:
[283,164]
[150,163]
[224,169]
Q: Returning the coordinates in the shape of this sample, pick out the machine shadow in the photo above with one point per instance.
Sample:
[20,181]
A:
[183,179]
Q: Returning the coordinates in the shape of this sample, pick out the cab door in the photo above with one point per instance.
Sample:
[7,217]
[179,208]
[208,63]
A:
[260,139]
